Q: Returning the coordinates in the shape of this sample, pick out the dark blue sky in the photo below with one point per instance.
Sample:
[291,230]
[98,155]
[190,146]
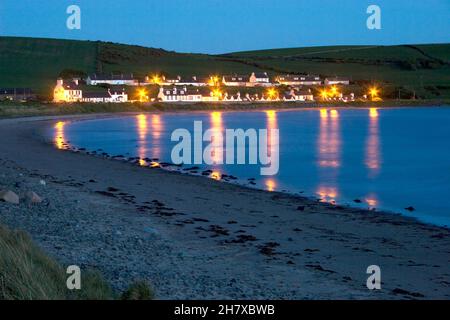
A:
[213,26]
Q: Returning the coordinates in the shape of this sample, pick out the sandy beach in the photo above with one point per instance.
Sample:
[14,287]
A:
[196,238]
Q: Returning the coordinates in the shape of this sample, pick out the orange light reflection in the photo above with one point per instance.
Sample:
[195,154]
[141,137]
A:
[142,127]
[216,175]
[59,138]
[217,143]
[327,194]
[271,185]
[373,153]
[329,142]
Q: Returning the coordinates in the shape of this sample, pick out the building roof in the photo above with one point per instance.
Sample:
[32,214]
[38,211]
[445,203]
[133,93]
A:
[236,78]
[194,79]
[172,79]
[261,75]
[298,78]
[185,91]
[111,77]
[71,86]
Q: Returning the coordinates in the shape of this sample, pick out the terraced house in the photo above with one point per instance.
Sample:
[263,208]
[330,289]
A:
[299,80]
[336,80]
[112,79]
[183,81]
[105,96]
[185,94]
[72,91]
[67,91]
[253,80]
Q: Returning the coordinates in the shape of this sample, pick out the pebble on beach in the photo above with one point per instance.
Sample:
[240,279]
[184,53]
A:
[32,197]
[9,196]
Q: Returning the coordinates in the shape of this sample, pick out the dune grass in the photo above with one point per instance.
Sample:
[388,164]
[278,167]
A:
[27,273]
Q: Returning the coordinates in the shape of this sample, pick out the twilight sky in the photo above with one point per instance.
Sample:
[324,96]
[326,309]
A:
[220,26]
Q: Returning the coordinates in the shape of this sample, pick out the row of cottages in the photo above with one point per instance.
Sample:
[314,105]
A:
[183,81]
[256,79]
[292,95]
[72,91]
[185,94]
[310,80]
[298,95]
[112,79]
[299,80]
[336,80]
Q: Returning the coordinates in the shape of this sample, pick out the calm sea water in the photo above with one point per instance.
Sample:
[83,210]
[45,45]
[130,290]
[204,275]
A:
[386,158]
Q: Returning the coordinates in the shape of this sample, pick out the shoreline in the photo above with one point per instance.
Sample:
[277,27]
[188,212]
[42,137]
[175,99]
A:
[11,110]
[200,222]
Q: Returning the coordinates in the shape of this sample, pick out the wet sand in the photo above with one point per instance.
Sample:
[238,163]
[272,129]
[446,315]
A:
[195,238]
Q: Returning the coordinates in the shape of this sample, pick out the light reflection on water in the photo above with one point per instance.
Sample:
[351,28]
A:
[337,155]
[271,123]
[373,153]
[142,142]
[59,137]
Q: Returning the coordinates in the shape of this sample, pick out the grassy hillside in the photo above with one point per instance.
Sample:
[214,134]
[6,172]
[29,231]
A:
[421,68]
[36,63]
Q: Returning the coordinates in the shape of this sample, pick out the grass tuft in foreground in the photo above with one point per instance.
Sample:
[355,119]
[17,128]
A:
[139,290]
[26,273]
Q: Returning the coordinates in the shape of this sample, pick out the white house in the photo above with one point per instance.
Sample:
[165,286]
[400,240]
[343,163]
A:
[96,97]
[185,94]
[69,91]
[236,80]
[236,97]
[185,81]
[260,79]
[254,80]
[296,80]
[105,97]
[298,95]
[112,79]
[118,96]
[336,80]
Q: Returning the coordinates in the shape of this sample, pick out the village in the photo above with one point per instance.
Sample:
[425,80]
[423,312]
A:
[254,87]
[257,87]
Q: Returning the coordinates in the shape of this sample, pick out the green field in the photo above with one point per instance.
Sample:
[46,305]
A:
[36,63]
